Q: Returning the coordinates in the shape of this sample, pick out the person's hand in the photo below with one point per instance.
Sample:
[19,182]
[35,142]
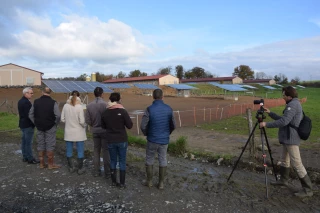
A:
[262,124]
[266,110]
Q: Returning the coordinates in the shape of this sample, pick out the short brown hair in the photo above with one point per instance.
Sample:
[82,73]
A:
[290,91]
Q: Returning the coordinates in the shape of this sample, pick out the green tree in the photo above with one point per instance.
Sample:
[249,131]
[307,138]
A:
[164,71]
[281,79]
[82,77]
[137,73]
[179,71]
[244,72]
[121,74]
[197,72]
[100,77]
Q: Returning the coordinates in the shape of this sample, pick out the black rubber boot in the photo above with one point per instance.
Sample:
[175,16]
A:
[71,165]
[284,177]
[306,190]
[162,173]
[113,174]
[122,179]
[81,168]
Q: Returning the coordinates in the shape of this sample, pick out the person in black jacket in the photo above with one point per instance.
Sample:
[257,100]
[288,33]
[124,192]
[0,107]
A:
[115,120]
[45,115]
[26,126]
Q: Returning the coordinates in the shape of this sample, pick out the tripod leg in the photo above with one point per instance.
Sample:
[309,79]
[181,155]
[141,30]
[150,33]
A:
[264,162]
[235,166]
[265,135]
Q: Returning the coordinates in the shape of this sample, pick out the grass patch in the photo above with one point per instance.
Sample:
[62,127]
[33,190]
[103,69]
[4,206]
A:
[8,121]
[179,147]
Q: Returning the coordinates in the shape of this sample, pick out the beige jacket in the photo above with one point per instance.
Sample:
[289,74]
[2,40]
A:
[73,117]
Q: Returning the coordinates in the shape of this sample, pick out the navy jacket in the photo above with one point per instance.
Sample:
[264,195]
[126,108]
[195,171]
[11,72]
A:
[24,106]
[158,122]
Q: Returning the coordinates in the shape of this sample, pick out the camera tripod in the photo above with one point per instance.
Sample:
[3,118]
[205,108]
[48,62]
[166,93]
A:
[260,116]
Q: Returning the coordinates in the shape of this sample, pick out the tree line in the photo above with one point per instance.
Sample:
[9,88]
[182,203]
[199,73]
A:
[242,71]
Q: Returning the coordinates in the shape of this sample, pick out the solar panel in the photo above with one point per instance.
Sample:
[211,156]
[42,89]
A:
[269,87]
[214,84]
[181,86]
[249,86]
[56,86]
[69,86]
[72,85]
[118,86]
[301,86]
[229,87]
[146,86]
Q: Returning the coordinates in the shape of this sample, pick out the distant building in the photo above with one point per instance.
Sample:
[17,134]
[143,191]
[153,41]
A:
[15,75]
[260,81]
[153,79]
[222,80]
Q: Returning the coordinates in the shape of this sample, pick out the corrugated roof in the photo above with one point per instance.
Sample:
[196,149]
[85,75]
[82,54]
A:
[21,67]
[257,81]
[141,78]
[207,79]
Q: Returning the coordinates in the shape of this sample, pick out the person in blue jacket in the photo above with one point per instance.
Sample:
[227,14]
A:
[157,124]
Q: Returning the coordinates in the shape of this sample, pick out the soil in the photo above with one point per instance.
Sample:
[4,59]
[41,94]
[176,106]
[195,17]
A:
[190,186]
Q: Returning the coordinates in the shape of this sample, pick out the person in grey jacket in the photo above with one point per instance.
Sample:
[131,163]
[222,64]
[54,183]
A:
[93,119]
[290,141]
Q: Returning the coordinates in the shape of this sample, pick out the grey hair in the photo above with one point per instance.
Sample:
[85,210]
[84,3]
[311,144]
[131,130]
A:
[26,90]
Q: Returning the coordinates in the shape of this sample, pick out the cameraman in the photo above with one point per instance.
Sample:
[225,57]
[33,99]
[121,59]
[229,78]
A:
[290,140]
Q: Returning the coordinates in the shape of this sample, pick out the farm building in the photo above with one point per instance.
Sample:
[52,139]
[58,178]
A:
[221,80]
[153,79]
[15,75]
[259,81]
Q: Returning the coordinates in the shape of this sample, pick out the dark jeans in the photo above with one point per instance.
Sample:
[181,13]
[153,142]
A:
[118,150]
[100,143]
[26,143]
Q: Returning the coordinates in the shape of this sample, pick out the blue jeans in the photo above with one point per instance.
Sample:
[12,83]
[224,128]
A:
[26,143]
[118,150]
[80,148]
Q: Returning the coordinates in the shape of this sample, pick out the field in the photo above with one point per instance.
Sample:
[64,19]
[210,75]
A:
[197,185]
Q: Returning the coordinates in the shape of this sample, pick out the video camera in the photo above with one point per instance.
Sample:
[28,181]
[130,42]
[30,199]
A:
[261,110]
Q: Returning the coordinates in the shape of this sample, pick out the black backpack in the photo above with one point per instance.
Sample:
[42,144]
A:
[304,128]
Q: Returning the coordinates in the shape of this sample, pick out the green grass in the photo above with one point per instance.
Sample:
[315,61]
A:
[8,121]
[239,124]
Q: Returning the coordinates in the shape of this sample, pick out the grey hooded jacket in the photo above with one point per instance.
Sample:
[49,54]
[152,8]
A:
[93,114]
[292,114]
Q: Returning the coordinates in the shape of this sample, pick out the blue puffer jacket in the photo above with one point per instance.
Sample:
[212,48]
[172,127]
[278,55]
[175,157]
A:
[161,122]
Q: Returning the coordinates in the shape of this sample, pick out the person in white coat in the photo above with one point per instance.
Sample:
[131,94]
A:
[74,132]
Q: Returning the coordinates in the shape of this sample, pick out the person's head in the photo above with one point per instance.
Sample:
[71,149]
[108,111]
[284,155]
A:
[75,94]
[157,94]
[27,92]
[98,92]
[46,91]
[115,97]
[289,93]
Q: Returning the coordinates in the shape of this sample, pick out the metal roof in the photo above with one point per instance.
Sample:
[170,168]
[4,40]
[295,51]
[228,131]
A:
[181,86]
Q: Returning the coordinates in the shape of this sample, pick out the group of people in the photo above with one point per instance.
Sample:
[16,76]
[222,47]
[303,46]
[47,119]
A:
[108,122]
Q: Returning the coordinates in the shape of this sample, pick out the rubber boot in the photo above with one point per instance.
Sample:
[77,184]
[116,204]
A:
[71,165]
[51,164]
[284,177]
[113,174]
[148,181]
[81,168]
[306,190]
[122,179]
[162,172]
[41,155]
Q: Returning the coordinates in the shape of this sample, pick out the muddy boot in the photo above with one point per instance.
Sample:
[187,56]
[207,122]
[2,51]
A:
[148,181]
[122,179]
[113,175]
[41,155]
[71,165]
[162,172]
[284,177]
[81,168]
[51,164]
[306,190]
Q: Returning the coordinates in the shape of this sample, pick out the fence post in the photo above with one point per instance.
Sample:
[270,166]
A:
[179,117]
[138,124]
[204,114]
[194,115]
[221,113]
[252,146]
[210,114]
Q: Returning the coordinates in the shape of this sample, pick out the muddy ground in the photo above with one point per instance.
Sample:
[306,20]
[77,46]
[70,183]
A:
[190,186]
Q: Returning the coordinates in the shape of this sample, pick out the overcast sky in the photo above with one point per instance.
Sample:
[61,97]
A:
[68,38]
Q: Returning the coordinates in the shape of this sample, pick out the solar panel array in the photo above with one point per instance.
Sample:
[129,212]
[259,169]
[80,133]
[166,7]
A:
[146,86]
[301,86]
[69,86]
[269,87]
[118,86]
[249,86]
[181,86]
[229,87]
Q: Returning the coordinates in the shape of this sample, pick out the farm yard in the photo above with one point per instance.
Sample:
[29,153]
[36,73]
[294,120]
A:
[194,183]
